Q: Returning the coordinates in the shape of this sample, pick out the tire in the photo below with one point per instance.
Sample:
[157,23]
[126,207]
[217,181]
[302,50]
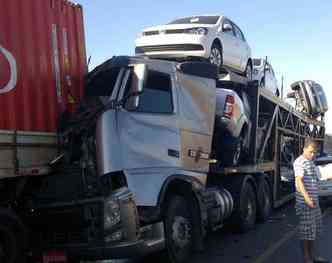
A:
[179,230]
[13,238]
[244,216]
[247,211]
[264,200]
[216,57]
[248,71]
[244,213]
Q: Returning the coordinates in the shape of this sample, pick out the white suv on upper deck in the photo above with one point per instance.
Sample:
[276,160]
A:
[215,37]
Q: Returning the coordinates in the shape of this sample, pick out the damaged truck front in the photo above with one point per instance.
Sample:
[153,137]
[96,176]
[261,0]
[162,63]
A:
[132,175]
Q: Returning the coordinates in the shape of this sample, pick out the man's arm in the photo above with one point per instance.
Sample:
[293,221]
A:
[301,189]
[299,185]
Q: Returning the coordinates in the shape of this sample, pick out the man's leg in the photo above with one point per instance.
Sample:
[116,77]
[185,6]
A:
[307,251]
[311,249]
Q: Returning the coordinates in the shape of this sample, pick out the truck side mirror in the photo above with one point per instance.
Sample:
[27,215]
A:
[136,87]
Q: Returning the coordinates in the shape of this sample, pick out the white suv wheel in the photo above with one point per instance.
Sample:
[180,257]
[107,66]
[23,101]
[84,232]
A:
[216,56]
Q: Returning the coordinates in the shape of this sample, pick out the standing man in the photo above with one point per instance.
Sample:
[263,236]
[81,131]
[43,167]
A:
[307,200]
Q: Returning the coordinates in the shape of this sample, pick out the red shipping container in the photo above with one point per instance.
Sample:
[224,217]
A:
[42,62]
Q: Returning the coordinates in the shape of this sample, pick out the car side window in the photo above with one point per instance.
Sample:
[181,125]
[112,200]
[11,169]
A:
[231,32]
[238,33]
[157,94]
[242,35]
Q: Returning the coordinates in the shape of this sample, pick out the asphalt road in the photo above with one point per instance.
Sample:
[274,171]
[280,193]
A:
[272,242]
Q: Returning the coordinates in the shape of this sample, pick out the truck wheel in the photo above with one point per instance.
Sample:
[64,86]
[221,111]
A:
[246,214]
[12,238]
[264,200]
[178,230]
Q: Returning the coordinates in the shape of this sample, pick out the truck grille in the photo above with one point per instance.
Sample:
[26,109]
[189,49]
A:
[175,31]
[161,48]
[56,238]
[68,225]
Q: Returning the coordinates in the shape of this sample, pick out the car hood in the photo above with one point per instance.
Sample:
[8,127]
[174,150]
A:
[176,26]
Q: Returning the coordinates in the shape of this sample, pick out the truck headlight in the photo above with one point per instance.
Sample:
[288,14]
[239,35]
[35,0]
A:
[197,31]
[111,213]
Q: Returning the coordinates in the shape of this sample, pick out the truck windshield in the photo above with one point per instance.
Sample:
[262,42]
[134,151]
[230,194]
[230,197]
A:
[101,83]
[196,20]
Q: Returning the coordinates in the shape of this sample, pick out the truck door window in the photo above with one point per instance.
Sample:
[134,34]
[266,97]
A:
[157,93]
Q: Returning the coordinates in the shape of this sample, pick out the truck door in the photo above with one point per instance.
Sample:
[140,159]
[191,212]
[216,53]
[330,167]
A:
[149,135]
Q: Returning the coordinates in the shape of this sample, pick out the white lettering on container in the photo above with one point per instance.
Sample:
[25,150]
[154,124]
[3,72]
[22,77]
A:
[13,71]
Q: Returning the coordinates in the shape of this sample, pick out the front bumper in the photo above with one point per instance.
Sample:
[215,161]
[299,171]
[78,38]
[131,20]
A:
[114,251]
[80,230]
[173,45]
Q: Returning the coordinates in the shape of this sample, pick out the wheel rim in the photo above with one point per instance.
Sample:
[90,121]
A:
[215,57]
[248,72]
[181,232]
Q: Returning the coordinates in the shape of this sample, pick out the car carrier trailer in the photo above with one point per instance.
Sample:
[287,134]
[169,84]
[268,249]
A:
[130,181]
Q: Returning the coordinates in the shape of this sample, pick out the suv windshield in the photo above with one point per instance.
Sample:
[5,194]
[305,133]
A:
[321,95]
[196,20]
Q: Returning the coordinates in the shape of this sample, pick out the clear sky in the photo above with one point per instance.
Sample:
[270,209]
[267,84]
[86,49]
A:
[296,35]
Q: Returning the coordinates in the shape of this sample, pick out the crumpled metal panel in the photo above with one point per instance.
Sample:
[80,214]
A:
[42,62]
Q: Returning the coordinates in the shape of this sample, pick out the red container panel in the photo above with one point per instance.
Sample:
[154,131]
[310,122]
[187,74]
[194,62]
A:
[42,62]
